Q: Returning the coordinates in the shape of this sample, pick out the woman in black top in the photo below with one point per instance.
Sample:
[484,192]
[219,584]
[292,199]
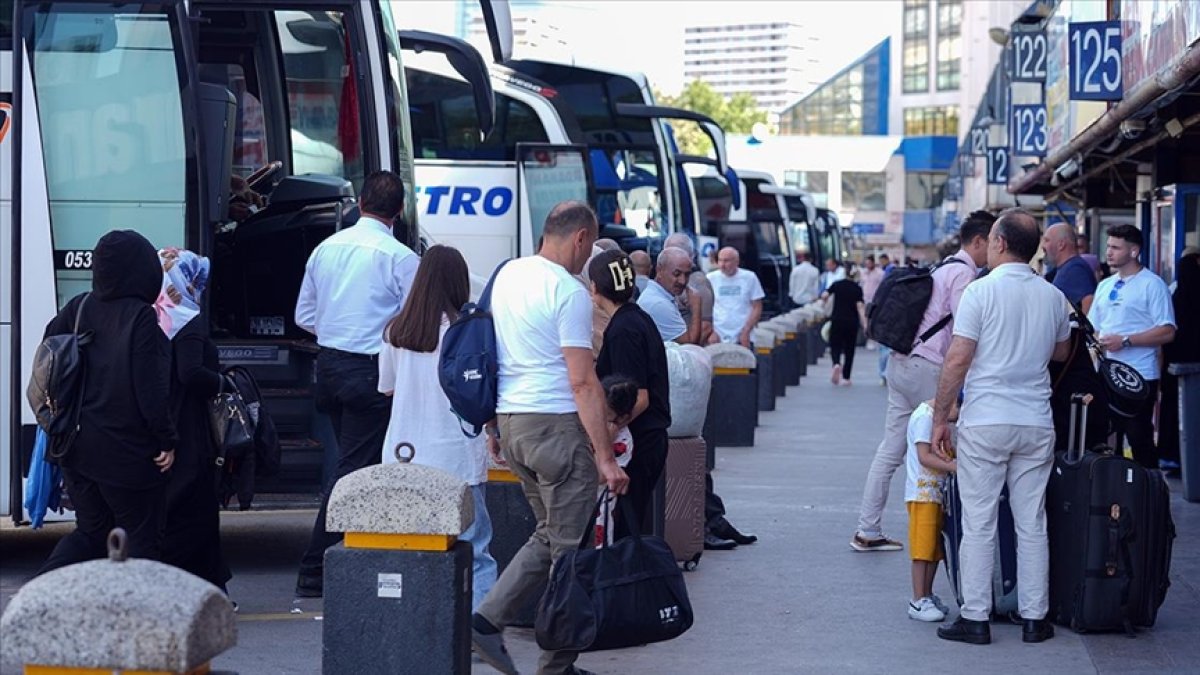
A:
[633,347]
[847,315]
[192,540]
[115,471]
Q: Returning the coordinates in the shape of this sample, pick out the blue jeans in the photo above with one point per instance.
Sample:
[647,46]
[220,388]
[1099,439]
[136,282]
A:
[479,535]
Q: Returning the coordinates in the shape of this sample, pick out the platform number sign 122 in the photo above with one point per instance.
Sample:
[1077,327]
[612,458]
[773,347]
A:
[997,166]
[979,137]
[1096,61]
[1029,130]
[1029,57]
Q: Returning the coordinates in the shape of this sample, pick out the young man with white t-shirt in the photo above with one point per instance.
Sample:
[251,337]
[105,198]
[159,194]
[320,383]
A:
[551,418]
[738,297]
[1008,327]
[1133,316]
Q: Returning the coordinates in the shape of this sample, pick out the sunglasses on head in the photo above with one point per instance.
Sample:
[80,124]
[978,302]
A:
[1112,295]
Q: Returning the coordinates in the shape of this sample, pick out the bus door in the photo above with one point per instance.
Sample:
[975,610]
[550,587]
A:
[548,174]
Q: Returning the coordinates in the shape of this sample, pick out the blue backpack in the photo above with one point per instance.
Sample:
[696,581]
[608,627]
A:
[468,369]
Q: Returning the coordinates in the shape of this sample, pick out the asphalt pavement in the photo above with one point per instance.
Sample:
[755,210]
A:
[798,601]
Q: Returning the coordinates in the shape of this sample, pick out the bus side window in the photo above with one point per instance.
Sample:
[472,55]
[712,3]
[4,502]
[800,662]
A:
[445,126]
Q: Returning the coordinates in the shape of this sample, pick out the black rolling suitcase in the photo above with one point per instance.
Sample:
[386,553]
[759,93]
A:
[1111,532]
[1004,570]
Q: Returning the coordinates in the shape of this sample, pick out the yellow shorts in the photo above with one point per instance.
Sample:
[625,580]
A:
[925,531]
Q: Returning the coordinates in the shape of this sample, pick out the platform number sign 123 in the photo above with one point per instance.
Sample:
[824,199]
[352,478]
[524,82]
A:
[1096,61]
[997,166]
[1029,57]
[1029,130]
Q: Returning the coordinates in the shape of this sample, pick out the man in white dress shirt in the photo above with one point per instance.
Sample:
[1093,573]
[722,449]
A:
[354,283]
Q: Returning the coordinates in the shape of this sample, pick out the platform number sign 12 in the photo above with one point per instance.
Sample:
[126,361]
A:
[1029,57]
[1029,130]
[997,166]
[978,139]
[1095,55]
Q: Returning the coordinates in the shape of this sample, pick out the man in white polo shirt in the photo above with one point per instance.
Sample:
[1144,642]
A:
[738,298]
[1133,316]
[1007,328]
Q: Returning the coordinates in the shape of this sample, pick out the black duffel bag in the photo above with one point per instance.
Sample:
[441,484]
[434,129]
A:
[621,595]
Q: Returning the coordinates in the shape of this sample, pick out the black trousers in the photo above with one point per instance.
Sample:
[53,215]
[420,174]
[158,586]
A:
[98,509]
[843,338]
[644,469]
[348,391]
[1139,429]
[192,536]
[714,506]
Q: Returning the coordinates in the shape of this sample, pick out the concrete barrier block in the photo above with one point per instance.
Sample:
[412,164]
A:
[117,615]
[763,338]
[400,498]
[790,323]
[725,355]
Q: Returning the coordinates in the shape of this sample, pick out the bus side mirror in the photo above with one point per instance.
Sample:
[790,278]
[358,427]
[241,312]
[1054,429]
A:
[466,61]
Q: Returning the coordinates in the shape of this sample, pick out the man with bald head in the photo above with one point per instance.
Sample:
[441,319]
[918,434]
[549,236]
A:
[641,269]
[1008,327]
[658,298]
[696,303]
[738,298]
[1072,275]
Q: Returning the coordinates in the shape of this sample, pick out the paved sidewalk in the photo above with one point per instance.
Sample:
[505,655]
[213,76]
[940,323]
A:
[799,601]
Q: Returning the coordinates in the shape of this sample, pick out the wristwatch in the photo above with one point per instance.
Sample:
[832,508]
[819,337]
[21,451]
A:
[1126,343]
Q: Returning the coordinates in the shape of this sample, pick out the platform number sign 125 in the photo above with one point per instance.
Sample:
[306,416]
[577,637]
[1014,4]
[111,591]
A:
[1096,61]
[1029,57]
[1029,130]
[997,166]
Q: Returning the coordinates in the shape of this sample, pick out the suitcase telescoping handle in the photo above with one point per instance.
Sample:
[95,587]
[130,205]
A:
[1077,436]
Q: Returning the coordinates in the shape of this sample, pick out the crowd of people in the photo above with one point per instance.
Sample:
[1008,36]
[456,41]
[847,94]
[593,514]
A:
[580,331]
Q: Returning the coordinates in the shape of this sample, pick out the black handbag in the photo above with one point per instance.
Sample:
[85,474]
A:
[621,595]
[1127,389]
[231,424]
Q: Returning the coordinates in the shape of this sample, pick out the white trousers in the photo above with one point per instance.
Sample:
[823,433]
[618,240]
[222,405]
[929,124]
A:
[989,457]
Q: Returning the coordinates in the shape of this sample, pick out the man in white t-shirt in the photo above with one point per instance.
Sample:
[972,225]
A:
[551,418]
[802,286]
[1134,317]
[1008,327]
[738,297]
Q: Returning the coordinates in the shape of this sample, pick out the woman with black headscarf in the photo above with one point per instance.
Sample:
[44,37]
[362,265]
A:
[1185,348]
[115,471]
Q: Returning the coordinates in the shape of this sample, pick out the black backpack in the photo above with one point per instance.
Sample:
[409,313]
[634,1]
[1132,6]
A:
[468,369]
[55,390]
[895,313]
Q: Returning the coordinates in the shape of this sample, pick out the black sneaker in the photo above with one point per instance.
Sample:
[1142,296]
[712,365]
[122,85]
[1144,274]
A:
[723,529]
[1036,630]
[966,630]
[309,586]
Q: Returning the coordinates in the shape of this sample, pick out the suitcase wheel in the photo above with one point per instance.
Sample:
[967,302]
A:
[690,565]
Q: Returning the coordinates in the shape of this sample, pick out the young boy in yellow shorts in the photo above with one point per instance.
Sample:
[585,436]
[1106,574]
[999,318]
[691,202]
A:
[926,473]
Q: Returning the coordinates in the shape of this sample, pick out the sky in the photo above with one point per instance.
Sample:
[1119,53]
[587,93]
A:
[647,35]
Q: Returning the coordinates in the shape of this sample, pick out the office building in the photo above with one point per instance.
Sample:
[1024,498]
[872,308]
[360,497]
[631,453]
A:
[765,59]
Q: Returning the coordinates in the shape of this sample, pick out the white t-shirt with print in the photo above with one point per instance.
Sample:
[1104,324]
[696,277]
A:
[922,484]
[1015,318]
[421,415]
[732,296]
[538,309]
[1142,302]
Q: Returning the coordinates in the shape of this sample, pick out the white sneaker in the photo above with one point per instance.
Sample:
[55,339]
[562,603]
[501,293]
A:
[925,610]
[937,602]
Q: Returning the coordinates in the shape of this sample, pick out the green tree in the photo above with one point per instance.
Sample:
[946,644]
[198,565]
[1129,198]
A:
[736,115]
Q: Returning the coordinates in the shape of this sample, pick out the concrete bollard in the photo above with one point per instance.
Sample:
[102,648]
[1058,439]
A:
[803,332]
[732,410]
[778,374]
[791,368]
[398,589]
[116,616]
[764,347]
[512,525]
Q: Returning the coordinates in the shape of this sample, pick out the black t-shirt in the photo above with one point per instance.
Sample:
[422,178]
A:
[846,296]
[633,347]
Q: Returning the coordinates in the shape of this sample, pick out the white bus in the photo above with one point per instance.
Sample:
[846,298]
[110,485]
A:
[560,132]
[135,115]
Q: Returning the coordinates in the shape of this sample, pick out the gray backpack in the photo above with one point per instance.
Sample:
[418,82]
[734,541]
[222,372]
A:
[55,390]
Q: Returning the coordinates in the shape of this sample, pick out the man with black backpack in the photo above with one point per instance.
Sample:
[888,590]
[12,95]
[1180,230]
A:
[916,359]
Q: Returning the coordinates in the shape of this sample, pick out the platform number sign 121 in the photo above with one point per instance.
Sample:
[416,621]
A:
[1029,57]
[997,166]
[1096,61]
[1029,130]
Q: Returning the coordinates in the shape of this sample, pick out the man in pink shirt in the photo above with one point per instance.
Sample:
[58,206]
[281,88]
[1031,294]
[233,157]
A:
[913,378]
[872,276]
